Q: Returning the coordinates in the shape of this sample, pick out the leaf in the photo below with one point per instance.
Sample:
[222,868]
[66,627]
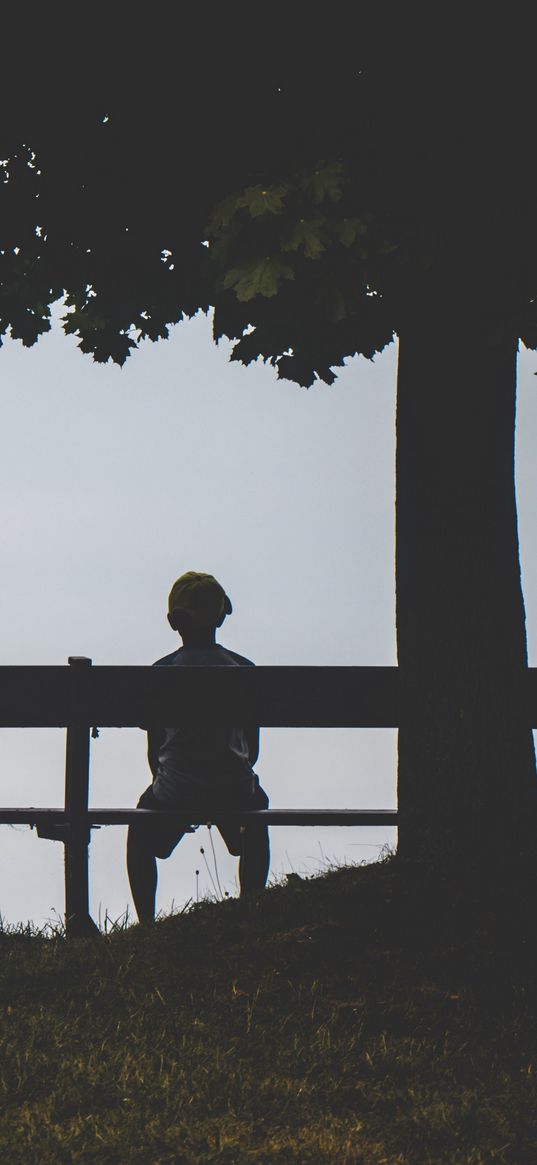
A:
[247,349]
[326,181]
[151,329]
[43,310]
[296,368]
[307,233]
[261,200]
[108,347]
[347,230]
[269,340]
[228,317]
[27,326]
[83,320]
[336,308]
[222,215]
[261,277]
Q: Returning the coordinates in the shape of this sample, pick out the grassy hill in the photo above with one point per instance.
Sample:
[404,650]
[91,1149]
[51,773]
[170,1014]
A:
[349,1018]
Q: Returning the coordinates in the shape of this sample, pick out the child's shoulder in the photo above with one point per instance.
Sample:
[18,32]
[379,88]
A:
[181,656]
[171,658]
[241,659]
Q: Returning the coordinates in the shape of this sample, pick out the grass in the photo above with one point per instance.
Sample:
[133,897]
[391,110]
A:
[355,1017]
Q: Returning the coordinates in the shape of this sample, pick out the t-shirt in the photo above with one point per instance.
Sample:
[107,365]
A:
[194,759]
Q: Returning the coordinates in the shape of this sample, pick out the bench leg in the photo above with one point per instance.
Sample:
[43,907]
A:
[78,921]
[77,916]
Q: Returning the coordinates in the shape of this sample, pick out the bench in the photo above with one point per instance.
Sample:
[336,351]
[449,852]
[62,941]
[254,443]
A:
[78,696]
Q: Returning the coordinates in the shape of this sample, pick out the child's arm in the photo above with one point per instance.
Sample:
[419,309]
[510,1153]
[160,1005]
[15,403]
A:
[252,736]
[155,740]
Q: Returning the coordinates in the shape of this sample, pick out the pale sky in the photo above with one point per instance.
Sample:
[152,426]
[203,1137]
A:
[115,481]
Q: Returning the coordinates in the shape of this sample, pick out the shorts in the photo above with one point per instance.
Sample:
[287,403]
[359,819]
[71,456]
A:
[161,837]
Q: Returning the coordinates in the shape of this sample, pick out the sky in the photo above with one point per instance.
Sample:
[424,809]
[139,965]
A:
[115,481]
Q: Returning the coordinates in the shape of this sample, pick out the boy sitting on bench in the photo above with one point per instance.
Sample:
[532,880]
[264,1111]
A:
[202,768]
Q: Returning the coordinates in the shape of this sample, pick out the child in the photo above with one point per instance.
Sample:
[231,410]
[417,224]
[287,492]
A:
[204,768]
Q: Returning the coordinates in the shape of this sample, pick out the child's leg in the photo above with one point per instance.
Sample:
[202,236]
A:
[249,843]
[142,871]
[145,843]
[254,860]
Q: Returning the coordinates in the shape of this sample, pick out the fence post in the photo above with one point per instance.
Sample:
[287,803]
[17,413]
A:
[77,917]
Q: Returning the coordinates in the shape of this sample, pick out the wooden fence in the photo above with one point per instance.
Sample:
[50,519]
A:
[79,696]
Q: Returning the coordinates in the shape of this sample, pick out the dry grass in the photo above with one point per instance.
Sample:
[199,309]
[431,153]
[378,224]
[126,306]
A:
[351,1018]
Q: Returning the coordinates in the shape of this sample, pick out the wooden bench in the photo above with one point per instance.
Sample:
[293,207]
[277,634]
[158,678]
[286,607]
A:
[79,696]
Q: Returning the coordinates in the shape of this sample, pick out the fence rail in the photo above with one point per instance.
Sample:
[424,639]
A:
[98,817]
[274,697]
[80,696]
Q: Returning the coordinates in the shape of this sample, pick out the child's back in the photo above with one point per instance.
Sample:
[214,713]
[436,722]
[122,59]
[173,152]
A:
[199,768]
[206,758]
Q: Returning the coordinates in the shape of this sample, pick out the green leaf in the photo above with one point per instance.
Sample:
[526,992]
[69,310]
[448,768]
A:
[348,230]
[261,200]
[107,347]
[151,329]
[336,308]
[83,321]
[43,310]
[27,326]
[223,214]
[325,182]
[301,369]
[261,277]
[307,233]
[247,349]
[228,317]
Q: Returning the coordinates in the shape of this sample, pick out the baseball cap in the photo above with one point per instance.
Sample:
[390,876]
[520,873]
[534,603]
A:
[201,596]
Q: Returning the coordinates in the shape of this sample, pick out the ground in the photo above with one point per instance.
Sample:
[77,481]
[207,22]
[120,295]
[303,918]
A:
[364,1016]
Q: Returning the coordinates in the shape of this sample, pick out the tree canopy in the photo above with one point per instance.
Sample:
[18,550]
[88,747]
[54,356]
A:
[306,196]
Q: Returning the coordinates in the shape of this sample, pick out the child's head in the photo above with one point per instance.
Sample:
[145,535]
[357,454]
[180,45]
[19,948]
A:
[197,604]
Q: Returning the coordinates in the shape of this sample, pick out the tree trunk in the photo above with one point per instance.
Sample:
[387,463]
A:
[466,781]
